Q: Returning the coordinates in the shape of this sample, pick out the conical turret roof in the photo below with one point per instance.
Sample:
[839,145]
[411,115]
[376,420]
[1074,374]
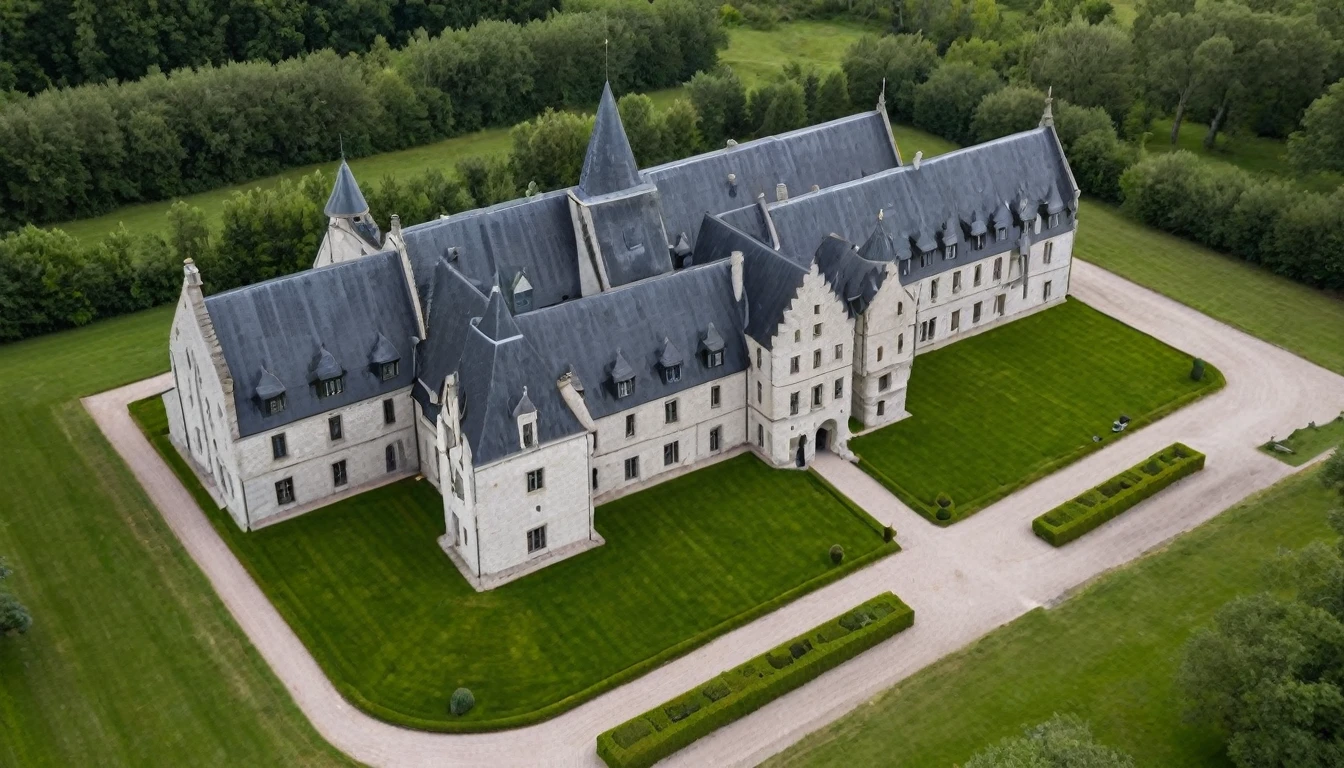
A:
[609,165]
[346,199]
[497,324]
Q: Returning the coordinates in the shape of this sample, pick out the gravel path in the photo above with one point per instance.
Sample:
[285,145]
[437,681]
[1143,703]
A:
[963,581]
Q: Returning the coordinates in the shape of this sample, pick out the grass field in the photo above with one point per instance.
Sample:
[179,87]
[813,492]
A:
[131,660]
[1108,655]
[684,561]
[1257,154]
[994,412]
[1309,442]
[753,54]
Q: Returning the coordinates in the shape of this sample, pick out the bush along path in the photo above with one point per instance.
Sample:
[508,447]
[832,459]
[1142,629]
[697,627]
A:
[1089,510]
[656,734]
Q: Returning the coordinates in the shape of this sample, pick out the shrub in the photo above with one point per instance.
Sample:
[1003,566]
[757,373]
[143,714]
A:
[944,500]
[837,553]
[752,684]
[943,514]
[1076,517]
[461,702]
[888,534]
[1197,370]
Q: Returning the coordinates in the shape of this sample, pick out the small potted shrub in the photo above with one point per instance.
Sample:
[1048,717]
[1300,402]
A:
[1197,370]
[837,553]
[461,702]
[943,514]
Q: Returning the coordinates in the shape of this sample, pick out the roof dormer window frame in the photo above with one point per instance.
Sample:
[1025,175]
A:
[275,405]
[331,387]
[672,374]
[389,371]
[625,388]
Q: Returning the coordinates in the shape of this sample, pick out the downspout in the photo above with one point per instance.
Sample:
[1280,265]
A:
[246,515]
[415,421]
[476,523]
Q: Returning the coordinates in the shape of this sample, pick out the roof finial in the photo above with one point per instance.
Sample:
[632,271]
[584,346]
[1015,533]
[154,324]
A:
[606,60]
[882,97]
[1048,116]
[879,214]
[341,138]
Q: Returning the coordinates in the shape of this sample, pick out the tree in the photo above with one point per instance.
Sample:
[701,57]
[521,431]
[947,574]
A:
[946,103]
[1332,474]
[721,102]
[13,616]
[549,150]
[902,61]
[1099,160]
[1090,66]
[1319,145]
[1063,741]
[986,54]
[942,21]
[832,97]
[643,127]
[681,131]
[784,107]
[1173,65]
[1006,111]
[489,180]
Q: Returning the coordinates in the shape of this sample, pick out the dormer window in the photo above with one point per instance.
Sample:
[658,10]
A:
[670,361]
[275,404]
[1001,234]
[950,251]
[529,435]
[979,241]
[672,373]
[526,414]
[331,387]
[388,371]
[713,359]
[625,388]
[905,267]
[1054,220]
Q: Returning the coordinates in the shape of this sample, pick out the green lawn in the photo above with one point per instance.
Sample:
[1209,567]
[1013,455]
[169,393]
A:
[994,412]
[131,660]
[753,54]
[1305,321]
[1108,655]
[1257,154]
[397,628]
[1309,442]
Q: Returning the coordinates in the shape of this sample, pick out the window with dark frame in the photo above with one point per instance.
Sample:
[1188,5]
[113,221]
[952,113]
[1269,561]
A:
[816,329]
[536,539]
[671,453]
[998,304]
[536,480]
[388,371]
[839,389]
[275,405]
[881,407]
[933,289]
[338,477]
[795,364]
[975,281]
[839,351]
[816,358]
[672,373]
[1047,290]
[956,319]
[528,437]
[1049,250]
[334,428]
[714,401]
[389,411]
[758,391]
[884,382]
[998,268]
[793,403]
[629,425]
[331,387]
[975,312]
[818,393]
[670,412]
[625,388]
[284,491]
[390,458]
[715,439]
[760,435]
[279,447]
[632,468]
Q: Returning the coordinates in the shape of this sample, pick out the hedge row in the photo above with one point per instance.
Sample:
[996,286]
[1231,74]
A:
[1089,510]
[742,690]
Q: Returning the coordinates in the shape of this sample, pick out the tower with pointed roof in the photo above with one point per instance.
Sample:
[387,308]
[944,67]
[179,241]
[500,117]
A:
[351,230]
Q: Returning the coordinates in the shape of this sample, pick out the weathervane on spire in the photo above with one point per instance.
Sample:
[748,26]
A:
[1048,117]
[606,60]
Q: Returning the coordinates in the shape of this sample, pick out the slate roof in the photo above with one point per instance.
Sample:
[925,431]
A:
[629,234]
[346,199]
[586,335]
[770,279]
[451,304]
[854,278]
[985,181]
[277,331]
[826,154]
[609,164]
[534,235]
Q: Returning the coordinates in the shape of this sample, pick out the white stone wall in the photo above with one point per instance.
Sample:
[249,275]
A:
[695,419]
[884,342]
[796,336]
[311,453]
[506,510]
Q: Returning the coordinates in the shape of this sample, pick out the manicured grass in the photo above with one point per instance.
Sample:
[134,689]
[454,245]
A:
[1309,442]
[397,628]
[1109,654]
[1305,321]
[758,55]
[994,412]
[131,660]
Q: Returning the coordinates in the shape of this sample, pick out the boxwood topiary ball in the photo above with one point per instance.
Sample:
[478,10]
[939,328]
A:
[461,702]
[943,514]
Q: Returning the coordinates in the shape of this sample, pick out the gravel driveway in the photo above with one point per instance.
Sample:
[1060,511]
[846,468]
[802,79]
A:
[962,581]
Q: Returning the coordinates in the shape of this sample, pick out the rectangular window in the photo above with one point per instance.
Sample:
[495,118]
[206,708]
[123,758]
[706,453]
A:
[671,374]
[758,357]
[905,267]
[924,330]
[839,351]
[998,305]
[284,491]
[884,382]
[760,435]
[818,392]
[1001,234]
[758,392]
[975,281]
[816,309]
[338,473]
[632,468]
[1049,249]
[388,371]
[528,436]
[334,428]
[714,359]
[630,425]
[816,329]
[933,327]
[839,388]
[924,259]
[950,251]
[956,320]
[816,358]
[536,539]
[879,354]
[714,400]
[900,343]
[273,406]
[998,268]
[1047,290]
[793,403]
[933,289]
[975,312]
[1054,220]
[979,242]
[331,387]
[536,480]
[715,439]
[670,412]
[671,453]
[279,449]
[794,364]
[390,458]
[798,334]
[389,412]
[956,282]
[625,388]
[881,407]
[594,478]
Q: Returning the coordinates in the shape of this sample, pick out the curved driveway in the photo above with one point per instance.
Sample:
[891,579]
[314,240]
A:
[963,581]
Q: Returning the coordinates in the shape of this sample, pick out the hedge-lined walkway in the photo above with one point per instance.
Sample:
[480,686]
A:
[962,581]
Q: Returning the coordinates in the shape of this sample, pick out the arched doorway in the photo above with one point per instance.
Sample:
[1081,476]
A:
[825,436]
[802,450]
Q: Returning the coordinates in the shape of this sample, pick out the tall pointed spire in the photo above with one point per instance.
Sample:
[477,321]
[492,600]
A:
[609,165]
[1048,116]
[346,199]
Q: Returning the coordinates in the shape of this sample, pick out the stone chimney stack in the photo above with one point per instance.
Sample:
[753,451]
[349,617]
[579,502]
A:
[781,191]
[192,274]
[396,225]
[919,157]
[736,260]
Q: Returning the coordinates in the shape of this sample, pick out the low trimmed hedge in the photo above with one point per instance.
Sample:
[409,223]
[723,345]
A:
[663,730]
[1103,502]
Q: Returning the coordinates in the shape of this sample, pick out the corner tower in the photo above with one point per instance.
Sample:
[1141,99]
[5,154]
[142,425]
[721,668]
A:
[618,222]
[351,231]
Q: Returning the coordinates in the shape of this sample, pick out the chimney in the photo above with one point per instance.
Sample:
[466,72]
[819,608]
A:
[919,157]
[736,259]
[192,274]
[816,187]
[396,225]
[781,191]
[731,143]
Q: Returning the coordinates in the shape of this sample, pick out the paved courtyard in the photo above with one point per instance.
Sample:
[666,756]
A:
[962,581]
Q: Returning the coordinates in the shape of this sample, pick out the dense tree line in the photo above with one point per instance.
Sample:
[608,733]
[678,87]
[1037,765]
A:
[58,43]
[76,152]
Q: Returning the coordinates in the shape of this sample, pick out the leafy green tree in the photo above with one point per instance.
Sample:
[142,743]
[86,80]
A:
[489,180]
[941,21]
[1073,122]
[1319,145]
[1332,475]
[903,61]
[549,150]
[832,97]
[783,107]
[13,616]
[721,102]
[1175,62]
[808,78]
[1009,110]
[1099,160]
[1063,741]
[945,104]
[643,127]
[985,54]
[1089,65]
[681,131]
[39,286]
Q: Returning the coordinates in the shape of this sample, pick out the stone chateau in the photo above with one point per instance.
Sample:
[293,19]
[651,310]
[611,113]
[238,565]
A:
[538,357]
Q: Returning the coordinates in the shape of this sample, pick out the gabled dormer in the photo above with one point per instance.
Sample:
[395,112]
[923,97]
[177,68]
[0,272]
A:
[384,360]
[622,376]
[270,393]
[525,413]
[328,377]
[669,362]
[711,347]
